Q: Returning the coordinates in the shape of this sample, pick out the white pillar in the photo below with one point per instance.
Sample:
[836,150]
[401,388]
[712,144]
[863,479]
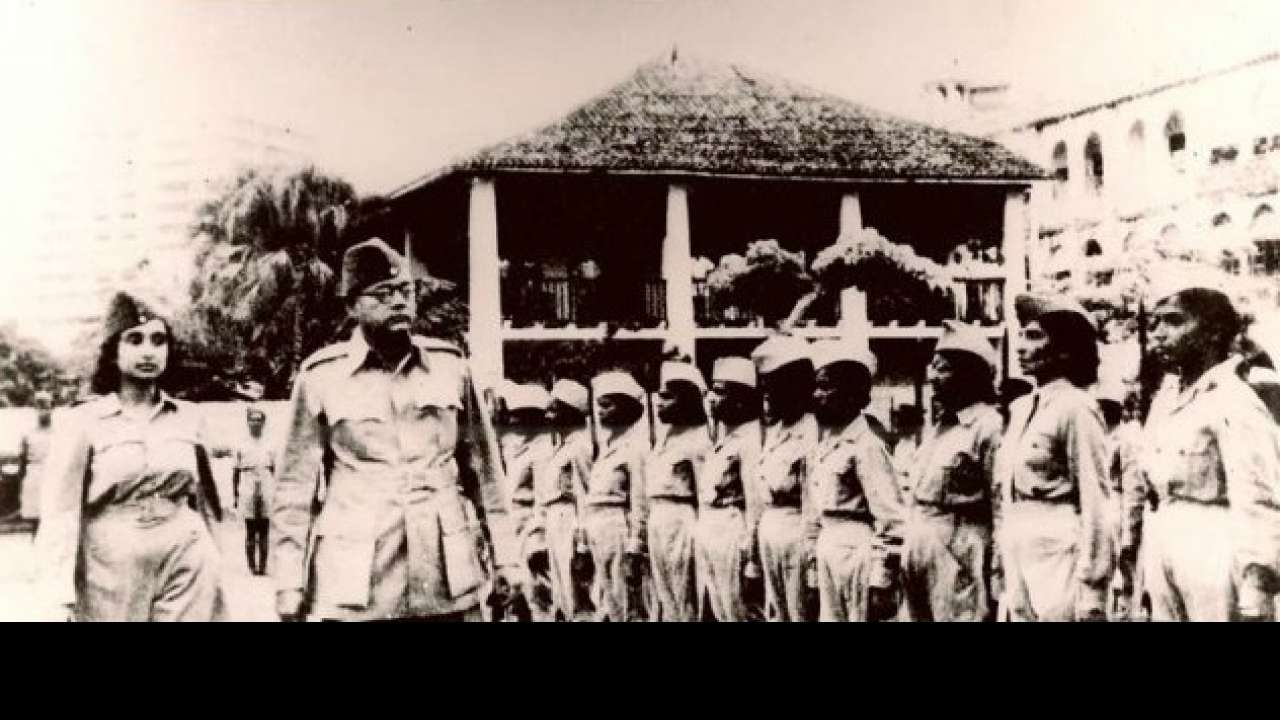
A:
[850,213]
[1016,237]
[677,270]
[853,312]
[484,283]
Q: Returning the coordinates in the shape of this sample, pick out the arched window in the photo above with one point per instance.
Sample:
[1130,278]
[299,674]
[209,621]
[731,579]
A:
[1170,232]
[1127,244]
[1093,162]
[1221,220]
[1092,248]
[1261,213]
[1175,134]
[1137,134]
[1060,171]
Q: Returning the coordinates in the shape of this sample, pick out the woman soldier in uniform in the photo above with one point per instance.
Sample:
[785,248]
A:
[559,492]
[674,475]
[121,540]
[1054,521]
[785,369]
[729,499]
[948,545]
[616,510]
[1211,455]
[854,513]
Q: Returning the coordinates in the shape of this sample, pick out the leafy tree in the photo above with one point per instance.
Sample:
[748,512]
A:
[25,367]
[900,285]
[264,296]
[765,282]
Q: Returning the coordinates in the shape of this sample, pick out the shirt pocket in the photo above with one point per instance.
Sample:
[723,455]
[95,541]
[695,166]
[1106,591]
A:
[359,422]
[171,463]
[784,472]
[963,476]
[118,459]
[1198,471]
[846,481]
[343,557]
[729,481]
[461,540]
[433,413]
[679,476]
[1038,456]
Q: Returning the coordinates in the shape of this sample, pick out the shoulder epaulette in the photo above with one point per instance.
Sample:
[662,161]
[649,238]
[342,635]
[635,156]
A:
[431,344]
[325,354]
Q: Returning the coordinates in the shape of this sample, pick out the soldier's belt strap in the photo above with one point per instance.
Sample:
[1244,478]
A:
[847,516]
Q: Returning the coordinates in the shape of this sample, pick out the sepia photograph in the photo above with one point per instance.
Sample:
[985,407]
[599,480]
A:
[640,311]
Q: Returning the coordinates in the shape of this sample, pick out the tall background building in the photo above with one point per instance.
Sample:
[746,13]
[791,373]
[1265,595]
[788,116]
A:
[118,200]
[1195,160]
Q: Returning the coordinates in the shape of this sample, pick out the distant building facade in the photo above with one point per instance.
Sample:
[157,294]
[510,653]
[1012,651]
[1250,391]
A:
[118,197]
[1195,161]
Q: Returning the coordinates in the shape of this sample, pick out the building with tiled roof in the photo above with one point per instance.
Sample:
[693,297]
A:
[601,223]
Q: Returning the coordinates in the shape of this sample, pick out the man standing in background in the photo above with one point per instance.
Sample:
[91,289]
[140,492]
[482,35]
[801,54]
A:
[35,448]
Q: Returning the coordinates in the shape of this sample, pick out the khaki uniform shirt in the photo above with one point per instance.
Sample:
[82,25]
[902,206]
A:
[405,446]
[1216,444]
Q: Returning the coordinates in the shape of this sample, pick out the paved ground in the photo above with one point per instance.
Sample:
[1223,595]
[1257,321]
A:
[249,598]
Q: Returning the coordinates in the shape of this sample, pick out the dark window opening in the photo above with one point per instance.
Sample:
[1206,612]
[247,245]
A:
[1093,162]
[1175,134]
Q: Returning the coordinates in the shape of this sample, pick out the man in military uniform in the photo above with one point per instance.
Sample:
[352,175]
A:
[251,488]
[414,509]
[35,448]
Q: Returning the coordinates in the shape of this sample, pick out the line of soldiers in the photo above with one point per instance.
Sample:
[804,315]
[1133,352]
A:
[770,492]
[783,502]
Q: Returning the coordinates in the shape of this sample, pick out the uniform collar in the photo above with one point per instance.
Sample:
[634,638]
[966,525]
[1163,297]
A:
[1222,373]
[969,415]
[575,435]
[678,433]
[360,353]
[1054,388]
[111,405]
[623,439]
[737,432]
[856,428]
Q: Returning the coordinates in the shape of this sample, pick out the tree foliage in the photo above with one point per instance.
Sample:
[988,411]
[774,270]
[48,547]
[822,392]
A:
[25,367]
[264,296]
[900,285]
[766,282]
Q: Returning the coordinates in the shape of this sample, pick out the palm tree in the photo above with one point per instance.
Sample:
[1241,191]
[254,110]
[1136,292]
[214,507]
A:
[263,297]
